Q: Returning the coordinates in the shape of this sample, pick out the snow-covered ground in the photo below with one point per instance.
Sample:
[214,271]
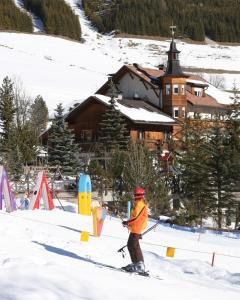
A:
[64,71]
[42,257]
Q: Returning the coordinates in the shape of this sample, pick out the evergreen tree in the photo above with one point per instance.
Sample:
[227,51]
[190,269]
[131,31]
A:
[234,132]
[18,134]
[57,17]
[62,149]
[194,19]
[219,162]
[7,111]
[14,156]
[113,132]
[39,115]
[13,18]
[195,193]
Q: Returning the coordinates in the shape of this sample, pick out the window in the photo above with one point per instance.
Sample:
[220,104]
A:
[175,89]
[167,89]
[140,134]
[183,89]
[167,134]
[183,112]
[197,92]
[176,112]
[86,135]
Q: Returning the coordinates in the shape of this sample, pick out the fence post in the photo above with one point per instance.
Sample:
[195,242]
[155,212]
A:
[213,258]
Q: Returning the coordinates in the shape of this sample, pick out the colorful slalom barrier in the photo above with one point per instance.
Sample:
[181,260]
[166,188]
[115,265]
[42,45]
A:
[5,192]
[84,207]
[99,215]
[84,195]
[41,191]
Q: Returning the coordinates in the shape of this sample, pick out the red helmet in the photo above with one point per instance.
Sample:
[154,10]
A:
[139,193]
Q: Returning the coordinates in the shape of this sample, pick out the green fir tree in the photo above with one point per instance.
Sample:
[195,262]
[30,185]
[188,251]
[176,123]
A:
[7,111]
[63,151]
[113,132]
[195,196]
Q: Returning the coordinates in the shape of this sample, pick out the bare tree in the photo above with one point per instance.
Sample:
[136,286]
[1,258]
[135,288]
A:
[217,80]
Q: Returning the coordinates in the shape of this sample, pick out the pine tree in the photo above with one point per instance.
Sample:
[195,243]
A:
[113,132]
[62,149]
[14,156]
[234,132]
[195,193]
[39,114]
[219,162]
[7,111]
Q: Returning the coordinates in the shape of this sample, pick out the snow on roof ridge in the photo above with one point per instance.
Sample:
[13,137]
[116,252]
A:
[138,114]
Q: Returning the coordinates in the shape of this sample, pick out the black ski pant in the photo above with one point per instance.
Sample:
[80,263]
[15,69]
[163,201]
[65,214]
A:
[134,247]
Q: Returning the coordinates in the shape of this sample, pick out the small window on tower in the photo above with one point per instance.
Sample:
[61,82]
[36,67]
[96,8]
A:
[176,112]
[175,89]
[183,89]
[167,89]
[183,112]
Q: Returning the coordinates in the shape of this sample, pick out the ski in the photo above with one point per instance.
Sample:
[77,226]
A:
[143,274]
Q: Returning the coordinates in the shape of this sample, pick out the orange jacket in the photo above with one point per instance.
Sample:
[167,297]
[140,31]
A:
[138,217]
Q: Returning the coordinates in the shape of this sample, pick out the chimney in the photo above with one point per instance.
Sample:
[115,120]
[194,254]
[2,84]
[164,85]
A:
[161,67]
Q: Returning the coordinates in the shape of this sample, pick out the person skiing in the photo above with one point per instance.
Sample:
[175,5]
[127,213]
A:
[136,224]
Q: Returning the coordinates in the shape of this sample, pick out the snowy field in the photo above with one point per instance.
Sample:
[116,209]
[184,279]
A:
[66,71]
[42,257]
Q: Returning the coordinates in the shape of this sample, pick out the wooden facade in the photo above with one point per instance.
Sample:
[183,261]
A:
[85,120]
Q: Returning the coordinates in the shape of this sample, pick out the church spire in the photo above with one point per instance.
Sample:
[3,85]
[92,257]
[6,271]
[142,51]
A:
[173,64]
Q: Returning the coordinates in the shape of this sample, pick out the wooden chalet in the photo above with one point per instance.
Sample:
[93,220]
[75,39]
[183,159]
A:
[143,120]
[152,101]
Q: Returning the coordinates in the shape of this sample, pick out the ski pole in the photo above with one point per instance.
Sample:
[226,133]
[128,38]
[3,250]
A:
[121,250]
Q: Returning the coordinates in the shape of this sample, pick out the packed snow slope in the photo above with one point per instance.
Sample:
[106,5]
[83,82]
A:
[42,257]
[66,71]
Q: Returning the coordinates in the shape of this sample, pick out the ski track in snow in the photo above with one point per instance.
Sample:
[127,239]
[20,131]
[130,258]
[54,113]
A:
[51,263]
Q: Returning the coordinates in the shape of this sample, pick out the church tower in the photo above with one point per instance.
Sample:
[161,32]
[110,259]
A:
[174,83]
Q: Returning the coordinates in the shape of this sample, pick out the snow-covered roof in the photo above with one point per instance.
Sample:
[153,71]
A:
[196,82]
[139,114]
[220,95]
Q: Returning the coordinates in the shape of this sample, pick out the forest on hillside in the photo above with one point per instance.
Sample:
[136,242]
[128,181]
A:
[12,18]
[57,17]
[195,19]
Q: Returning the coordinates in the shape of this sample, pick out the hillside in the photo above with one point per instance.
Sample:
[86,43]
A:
[51,17]
[64,71]
[41,257]
[195,19]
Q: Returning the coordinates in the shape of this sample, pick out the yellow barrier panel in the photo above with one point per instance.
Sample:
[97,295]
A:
[84,195]
[84,236]
[84,203]
[170,251]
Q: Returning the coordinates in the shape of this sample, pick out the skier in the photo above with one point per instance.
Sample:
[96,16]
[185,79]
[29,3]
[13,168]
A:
[136,224]
[23,202]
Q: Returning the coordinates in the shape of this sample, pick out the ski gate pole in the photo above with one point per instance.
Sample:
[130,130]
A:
[121,250]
